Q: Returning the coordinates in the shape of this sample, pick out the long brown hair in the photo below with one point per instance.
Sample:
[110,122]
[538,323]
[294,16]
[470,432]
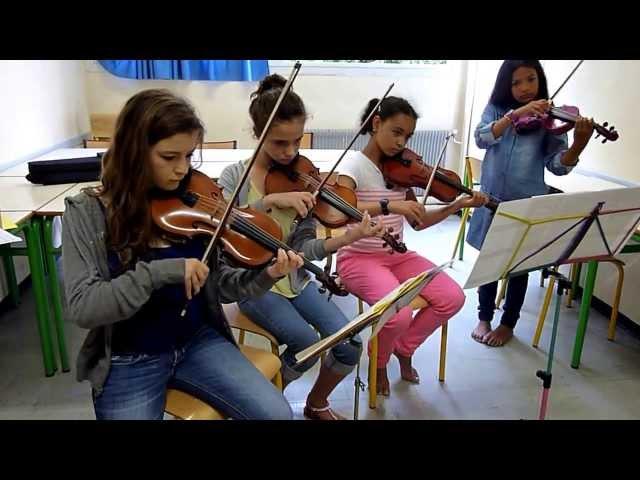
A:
[147,117]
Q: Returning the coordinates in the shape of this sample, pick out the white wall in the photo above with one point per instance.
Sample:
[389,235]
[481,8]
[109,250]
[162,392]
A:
[43,104]
[481,77]
[606,90]
[332,101]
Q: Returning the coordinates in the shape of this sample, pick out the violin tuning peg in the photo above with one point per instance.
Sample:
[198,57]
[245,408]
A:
[597,135]
[605,124]
[604,141]
[612,128]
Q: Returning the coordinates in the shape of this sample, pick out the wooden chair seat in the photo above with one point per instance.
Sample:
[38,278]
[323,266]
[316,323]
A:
[186,407]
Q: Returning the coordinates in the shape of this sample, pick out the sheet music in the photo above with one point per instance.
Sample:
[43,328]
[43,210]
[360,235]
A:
[383,310]
[509,240]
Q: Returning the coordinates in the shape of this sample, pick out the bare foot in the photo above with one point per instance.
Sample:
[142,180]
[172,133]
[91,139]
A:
[499,336]
[481,330]
[382,382]
[407,372]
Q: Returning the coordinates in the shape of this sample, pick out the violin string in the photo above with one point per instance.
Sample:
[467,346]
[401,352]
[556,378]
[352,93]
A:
[210,202]
[268,240]
[570,117]
[336,198]
[353,212]
[347,207]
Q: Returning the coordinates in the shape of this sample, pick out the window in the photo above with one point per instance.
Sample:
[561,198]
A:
[362,67]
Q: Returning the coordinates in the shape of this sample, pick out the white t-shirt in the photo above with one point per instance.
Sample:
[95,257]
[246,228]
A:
[370,187]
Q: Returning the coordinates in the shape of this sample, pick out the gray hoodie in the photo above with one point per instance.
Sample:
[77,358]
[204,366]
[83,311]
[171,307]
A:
[95,301]
[301,239]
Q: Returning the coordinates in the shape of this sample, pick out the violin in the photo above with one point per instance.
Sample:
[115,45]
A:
[250,237]
[559,120]
[407,169]
[336,204]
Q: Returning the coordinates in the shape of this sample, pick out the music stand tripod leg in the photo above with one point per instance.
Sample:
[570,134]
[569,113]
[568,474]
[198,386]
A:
[545,375]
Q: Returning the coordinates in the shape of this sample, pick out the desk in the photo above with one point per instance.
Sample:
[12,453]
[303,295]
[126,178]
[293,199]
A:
[18,201]
[318,157]
[578,182]
[44,217]
[19,218]
[213,161]
[214,169]
[22,169]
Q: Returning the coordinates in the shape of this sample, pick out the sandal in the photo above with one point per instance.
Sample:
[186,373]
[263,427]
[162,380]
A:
[324,413]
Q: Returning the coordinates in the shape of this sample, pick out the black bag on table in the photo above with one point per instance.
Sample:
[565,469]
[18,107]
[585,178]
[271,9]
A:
[65,170]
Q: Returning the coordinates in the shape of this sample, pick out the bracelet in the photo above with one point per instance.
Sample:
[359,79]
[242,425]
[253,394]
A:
[510,116]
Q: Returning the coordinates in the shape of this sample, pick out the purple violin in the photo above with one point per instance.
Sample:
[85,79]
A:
[559,120]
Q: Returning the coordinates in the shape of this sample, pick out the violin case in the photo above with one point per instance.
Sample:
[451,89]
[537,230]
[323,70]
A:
[65,170]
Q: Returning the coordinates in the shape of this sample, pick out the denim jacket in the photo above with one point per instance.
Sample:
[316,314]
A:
[513,166]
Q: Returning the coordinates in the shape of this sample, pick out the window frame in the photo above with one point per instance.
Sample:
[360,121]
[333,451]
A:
[376,68]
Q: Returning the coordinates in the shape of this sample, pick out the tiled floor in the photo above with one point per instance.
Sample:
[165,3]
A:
[481,382]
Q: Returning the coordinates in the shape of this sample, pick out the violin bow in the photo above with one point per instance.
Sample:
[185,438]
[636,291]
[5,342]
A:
[566,80]
[353,140]
[435,168]
[225,216]
[245,173]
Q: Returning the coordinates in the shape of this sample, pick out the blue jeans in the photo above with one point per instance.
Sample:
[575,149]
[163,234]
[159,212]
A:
[209,367]
[516,291]
[290,320]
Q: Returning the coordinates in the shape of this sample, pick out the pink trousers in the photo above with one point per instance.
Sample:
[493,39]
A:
[371,276]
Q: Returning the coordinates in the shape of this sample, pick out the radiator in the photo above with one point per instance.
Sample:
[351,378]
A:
[427,143]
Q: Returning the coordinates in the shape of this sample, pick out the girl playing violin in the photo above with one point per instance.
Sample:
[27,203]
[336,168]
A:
[513,168]
[293,307]
[366,269]
[127,284]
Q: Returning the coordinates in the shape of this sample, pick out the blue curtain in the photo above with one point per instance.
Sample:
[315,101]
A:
[224,70]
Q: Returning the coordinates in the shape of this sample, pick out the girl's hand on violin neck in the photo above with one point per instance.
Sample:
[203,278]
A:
[285,263]
[535,107]
[365,229]
[478,199]
[582,132]
[413,211]
[195,276]
[302,202]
